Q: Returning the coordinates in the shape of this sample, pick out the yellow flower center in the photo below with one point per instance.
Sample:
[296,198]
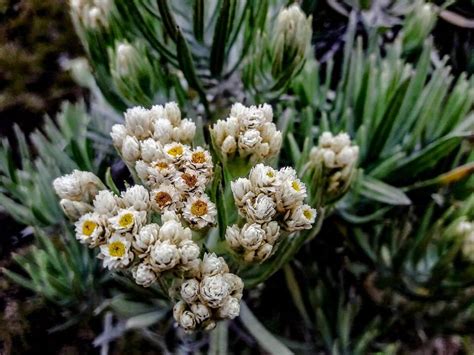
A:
[198,158]
[88,228]
[125,220]
[308,214]
[117,249]
[270,174]
[161,165]
[162,199]
[176,151]
[199,208]
[296,186]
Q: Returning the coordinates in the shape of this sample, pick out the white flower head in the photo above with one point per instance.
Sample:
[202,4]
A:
[260,209]
[164,256]
[263,176]
[272,232]
[136,197]
[190,180]
[302,217]
[174,151]
[106,203]
[201,312]
[242,191]
[249,141]
[118,134]
[150,150]
[139,122]
[91,230]
[214,290]
[190,290]
[163,130]
[252,236]
[130,149]
[200,160]
[230,308]
[74,209]
[185,132]
[78,186]
[116,253]
[165,198]
[291,193]
[145,238]
[213,265]
[128,220]
[173,113]
[199,211]
[144,275]
[174,231]
[232,236]
[189,251]
[229,145]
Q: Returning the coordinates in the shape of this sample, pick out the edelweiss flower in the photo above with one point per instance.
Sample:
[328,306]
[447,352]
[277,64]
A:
[139,122]
[263,176]
[260,209]
[230,308]
[118,134]
[128,220]
[78,186]
[242,191]
[136,197]
[252,236]
[174,151]
[116,253]
[143,240]
[302,217]
[106,203]
[164,256]
[199,159]
[213,265]
[150,150]
[199,211]
[214,290]
[144,274]
[130,149]
[74,209]
[290,193]
[90,230]
[190,180]
[165,198]
[190,290]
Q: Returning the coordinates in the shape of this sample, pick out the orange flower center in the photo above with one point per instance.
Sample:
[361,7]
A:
[199,208]
[189,179]
[162,199]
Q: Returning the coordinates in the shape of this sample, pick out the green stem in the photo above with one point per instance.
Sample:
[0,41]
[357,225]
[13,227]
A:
[218,339]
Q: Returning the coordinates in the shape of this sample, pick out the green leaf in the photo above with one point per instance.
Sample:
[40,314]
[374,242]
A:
[264,338]
[220,36]
[198,19]
[379,191]
[110,182]
[167,18]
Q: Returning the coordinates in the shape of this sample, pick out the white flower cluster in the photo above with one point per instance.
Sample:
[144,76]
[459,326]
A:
[153,142]
[211,295]
[120,227]
[248,133]
[268,200]
[77,191]
[92,13]
[338,157]
[465,230]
